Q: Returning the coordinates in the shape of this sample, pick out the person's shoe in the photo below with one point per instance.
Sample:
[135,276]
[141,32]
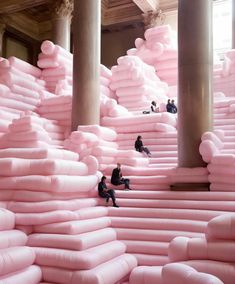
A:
[126,189]
[107,200]
[115,205]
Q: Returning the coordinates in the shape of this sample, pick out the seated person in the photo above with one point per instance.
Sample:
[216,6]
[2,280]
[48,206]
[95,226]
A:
[169,106]
[117,178]
[154,107]
[140,147]
[106,193]
[173,107]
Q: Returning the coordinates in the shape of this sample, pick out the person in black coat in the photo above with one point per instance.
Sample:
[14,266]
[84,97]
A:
[173,107]
[140,147]
[169,106]
[117,178]
[106,193]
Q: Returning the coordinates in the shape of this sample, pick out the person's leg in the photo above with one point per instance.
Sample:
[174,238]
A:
[105,195]
[146,150]
[111,192]
[126,182]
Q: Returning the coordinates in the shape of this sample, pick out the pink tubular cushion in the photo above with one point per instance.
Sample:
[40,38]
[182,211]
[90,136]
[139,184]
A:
[15,258]
[12,238]
[7,220]
[146,275]
[222,227]
[59,183]
[199,248]
[179,273]
[30,275]
[102,132]
[86,259]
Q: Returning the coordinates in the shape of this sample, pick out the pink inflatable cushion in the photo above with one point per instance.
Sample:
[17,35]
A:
[51,205]
[146,275]
[49,48]
[211,136]
[16,258]
[23,167]
[12,238]
[179,273]
[122,265]
[7,220]
[74,227]
[30,275]
[36,153]
[198,248]
[208,149]
[223,159]
[45,218]
[86,259]
[224,271]
[58,183]
[102,132]
[73,242]
[84,137]
[222,227]
[24,66]
[56,100]
[220,170]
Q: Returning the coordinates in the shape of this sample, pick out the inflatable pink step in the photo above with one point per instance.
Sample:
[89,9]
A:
[74,227]
[122,265]
[188,214]
[73,242]
[12,238]
[146,247]
[159,224]
[152,235]
[30,275]
[150,260]
[15,258]
[146,275]
[79,260]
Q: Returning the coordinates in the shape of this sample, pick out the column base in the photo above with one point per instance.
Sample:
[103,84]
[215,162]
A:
[190,186]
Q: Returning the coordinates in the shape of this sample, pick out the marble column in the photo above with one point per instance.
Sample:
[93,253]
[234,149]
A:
[86,62]
[233,24]
[61,22]
[2,30]
[195,79]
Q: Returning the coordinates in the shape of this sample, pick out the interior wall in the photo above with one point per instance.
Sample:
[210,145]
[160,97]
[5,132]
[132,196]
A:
[172,19]
[115,44]
[17,49]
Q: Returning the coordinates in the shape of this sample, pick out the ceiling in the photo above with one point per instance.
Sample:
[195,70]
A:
[35,15]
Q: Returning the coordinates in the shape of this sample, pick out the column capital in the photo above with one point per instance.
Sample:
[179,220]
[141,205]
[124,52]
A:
[62,9]
[153,18]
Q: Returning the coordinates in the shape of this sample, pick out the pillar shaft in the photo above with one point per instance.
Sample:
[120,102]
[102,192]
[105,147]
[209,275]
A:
[233,24]
[61,22]
[2,30]
[61,32]
[86,63]
[195,78]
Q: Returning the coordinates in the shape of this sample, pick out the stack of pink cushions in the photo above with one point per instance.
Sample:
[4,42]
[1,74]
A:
[16,260]
[32,131]
[214,254]
[105,79]
[56,63]
[224,81]
[159,50]
[136,84]
[57,108]
[19,89]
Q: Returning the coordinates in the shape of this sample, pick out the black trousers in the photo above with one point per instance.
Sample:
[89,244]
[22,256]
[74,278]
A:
[108,194]
[125,181]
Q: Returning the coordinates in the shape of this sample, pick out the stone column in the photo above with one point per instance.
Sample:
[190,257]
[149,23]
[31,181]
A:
[233,24]
[61,22]
[152,19]
[195,78]
[86,63]
[2,30]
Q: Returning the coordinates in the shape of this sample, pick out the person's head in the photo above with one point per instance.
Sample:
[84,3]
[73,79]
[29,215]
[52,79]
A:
[172,101]
[154,103]
[118,165]
[139,137]
[168,101]
[103,178]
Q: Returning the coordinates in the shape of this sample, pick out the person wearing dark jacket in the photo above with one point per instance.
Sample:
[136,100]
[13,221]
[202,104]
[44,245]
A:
[106,193]
[169,106]
[140,147]
[117,178]
[173,107]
